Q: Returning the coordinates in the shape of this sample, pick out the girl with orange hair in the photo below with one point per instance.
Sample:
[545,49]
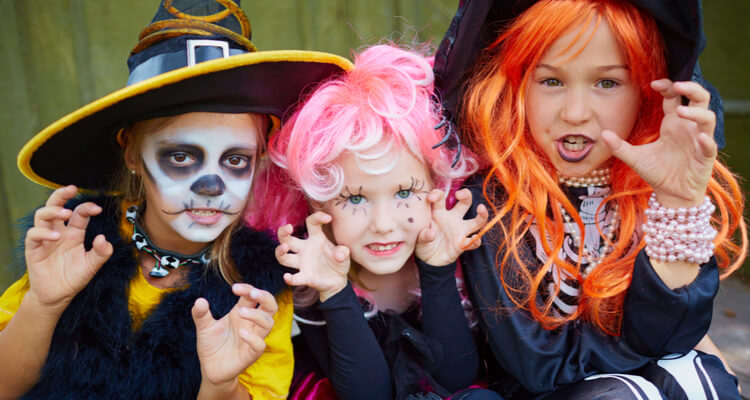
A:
[612,218]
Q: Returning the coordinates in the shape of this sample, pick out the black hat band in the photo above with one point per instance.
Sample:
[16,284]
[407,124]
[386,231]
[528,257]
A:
[197,51]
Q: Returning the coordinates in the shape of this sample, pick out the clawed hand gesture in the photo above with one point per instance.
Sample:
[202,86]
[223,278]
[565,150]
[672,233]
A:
[228,346]
[58,264]
[321,264]
[678,165]
[449,234]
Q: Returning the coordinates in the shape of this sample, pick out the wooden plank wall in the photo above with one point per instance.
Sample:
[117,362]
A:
[61,54]
[58,55]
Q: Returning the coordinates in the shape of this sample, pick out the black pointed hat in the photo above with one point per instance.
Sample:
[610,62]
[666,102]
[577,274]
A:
[196,55]
[477,22]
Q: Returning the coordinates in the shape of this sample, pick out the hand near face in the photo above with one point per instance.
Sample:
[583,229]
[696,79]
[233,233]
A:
[321,264]
[678,165]
[58,264]
[228,346]
[449,234]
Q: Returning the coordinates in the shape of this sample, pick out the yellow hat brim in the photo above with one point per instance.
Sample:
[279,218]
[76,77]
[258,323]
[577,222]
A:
[52,157]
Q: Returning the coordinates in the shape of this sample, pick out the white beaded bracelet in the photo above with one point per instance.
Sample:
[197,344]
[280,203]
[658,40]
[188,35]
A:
[683,234]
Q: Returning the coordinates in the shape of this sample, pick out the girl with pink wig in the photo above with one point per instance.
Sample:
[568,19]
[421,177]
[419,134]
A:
[385,318]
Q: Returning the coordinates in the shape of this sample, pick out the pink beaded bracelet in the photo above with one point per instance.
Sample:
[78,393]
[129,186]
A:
[683,234]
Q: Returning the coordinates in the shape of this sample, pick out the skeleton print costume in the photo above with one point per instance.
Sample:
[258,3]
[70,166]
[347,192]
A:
[577,360]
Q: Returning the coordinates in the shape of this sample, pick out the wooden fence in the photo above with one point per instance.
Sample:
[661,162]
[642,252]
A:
[58,55]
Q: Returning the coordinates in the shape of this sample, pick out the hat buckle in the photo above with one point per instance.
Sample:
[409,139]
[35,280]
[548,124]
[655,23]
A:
[193,43]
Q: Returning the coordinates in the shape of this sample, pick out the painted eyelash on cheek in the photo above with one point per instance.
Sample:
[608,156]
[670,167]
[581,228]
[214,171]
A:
[416,187]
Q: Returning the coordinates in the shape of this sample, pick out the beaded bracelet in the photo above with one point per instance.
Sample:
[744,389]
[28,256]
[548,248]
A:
[683,234]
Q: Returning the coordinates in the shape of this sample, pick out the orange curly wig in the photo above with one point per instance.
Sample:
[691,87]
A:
[493,119]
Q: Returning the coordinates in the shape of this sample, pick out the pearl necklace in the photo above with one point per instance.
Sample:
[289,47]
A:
[572,228]
[598,177]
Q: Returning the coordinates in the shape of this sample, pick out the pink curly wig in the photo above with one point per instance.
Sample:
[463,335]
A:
[382,105]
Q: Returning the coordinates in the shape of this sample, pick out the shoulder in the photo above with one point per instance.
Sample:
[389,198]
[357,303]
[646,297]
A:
[10,301]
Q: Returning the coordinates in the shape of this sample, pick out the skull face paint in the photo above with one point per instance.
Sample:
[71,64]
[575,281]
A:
[199,167]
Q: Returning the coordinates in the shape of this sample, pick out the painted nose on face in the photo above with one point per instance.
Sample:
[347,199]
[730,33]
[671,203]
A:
[576,109]
[208,185]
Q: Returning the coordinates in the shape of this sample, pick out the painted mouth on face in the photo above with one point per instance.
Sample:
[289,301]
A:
[204,216]
[574,148]
[384,249]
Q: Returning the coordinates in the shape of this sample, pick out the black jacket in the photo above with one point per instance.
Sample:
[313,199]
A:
[95,354]
[525,357]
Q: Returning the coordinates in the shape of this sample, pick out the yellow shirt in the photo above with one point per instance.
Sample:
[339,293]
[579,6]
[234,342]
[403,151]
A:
[268,378]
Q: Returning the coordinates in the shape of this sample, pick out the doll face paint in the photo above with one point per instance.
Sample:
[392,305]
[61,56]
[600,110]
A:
[570,101]
[199,169]
[379,216]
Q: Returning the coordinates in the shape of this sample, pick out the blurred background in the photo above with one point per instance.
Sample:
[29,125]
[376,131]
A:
[59,55]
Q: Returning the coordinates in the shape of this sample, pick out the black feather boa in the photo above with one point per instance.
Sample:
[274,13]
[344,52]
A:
[96,355]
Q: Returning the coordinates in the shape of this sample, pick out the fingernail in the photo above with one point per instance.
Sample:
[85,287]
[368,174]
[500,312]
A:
[254,293]
[244,311]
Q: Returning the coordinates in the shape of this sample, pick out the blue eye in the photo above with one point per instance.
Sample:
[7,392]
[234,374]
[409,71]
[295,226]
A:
[355,199]
[607,84]
[403,194]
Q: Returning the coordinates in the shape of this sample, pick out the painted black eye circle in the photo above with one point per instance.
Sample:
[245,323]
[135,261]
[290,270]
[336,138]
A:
[181,159]
[236,161]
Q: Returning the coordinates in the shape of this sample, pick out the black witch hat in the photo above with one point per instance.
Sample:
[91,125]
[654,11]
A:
[196,55]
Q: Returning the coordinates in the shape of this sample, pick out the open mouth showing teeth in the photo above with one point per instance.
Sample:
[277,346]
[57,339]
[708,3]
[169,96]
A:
[574,143]
[382,247]
[204,213]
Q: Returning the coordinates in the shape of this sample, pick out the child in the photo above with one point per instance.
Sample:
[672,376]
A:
[599,261]
[158,293]
[361,150]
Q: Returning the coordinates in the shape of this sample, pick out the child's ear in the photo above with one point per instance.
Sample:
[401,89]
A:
[129,158]
[124,139]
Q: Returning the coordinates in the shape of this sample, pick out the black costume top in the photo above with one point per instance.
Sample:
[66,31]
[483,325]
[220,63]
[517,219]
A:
[656,321]
[95,353]
[395,355]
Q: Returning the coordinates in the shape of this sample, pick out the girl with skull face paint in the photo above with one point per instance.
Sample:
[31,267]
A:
[596,274]
[159,291]
[381,248]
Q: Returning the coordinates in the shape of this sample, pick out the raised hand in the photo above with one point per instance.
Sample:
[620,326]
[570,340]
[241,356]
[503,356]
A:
[678,165]
[322,265]
[228,346]
[449,234]
[58,265]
